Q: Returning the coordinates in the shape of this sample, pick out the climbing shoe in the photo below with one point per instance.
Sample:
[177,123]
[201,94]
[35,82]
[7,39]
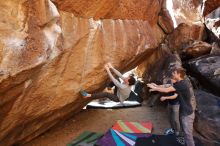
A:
[169,131]
[83,93]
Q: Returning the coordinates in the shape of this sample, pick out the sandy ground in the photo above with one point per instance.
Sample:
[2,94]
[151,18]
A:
[100,120]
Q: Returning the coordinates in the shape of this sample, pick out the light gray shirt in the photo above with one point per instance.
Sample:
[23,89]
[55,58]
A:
[123,89]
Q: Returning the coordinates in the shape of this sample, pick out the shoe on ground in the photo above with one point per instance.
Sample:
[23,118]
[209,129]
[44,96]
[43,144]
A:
[169,131]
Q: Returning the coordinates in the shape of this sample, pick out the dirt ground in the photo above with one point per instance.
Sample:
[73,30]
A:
[100,120]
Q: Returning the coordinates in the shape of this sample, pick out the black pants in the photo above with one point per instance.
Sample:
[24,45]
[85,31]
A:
[110,96]
[111,84]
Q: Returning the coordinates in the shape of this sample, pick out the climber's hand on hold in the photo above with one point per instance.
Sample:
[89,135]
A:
[106,66]
[110,65]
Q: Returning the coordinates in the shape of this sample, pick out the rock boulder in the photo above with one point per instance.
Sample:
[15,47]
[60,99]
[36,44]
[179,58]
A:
[159,65]
[210,5]
[112,9]
[215,49]
[207,70]
[157,69]
[165,20]
[187,11]
[47,55]
[208,118]
[197,49]
[183,35]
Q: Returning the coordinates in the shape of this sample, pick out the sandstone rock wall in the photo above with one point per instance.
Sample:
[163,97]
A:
[187,11]
[165,20]
[51,49]
[183,34]
[210,5]
[112,9]
[48,55]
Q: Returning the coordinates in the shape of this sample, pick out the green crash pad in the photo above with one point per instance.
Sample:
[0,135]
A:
[87,138]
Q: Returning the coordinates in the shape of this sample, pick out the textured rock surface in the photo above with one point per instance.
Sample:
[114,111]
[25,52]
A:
[187,11]
[212,22]
[207,70]
[27,42]
[158,66]
[114,9]
[213,25]
[197,49]
[165,20]
[157,69]
[210,5]
[182,35]
[215,49]
[208,118]
[46,56]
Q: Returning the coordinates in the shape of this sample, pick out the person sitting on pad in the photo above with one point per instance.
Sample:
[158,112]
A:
[123,89]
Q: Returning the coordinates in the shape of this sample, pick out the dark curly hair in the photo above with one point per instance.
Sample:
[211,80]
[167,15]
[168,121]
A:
[131,80]
[180,71]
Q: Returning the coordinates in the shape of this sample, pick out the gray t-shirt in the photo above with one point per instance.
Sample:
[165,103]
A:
[124,90]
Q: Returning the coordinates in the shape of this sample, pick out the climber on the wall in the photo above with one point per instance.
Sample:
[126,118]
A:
[184,92]
[124,89]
